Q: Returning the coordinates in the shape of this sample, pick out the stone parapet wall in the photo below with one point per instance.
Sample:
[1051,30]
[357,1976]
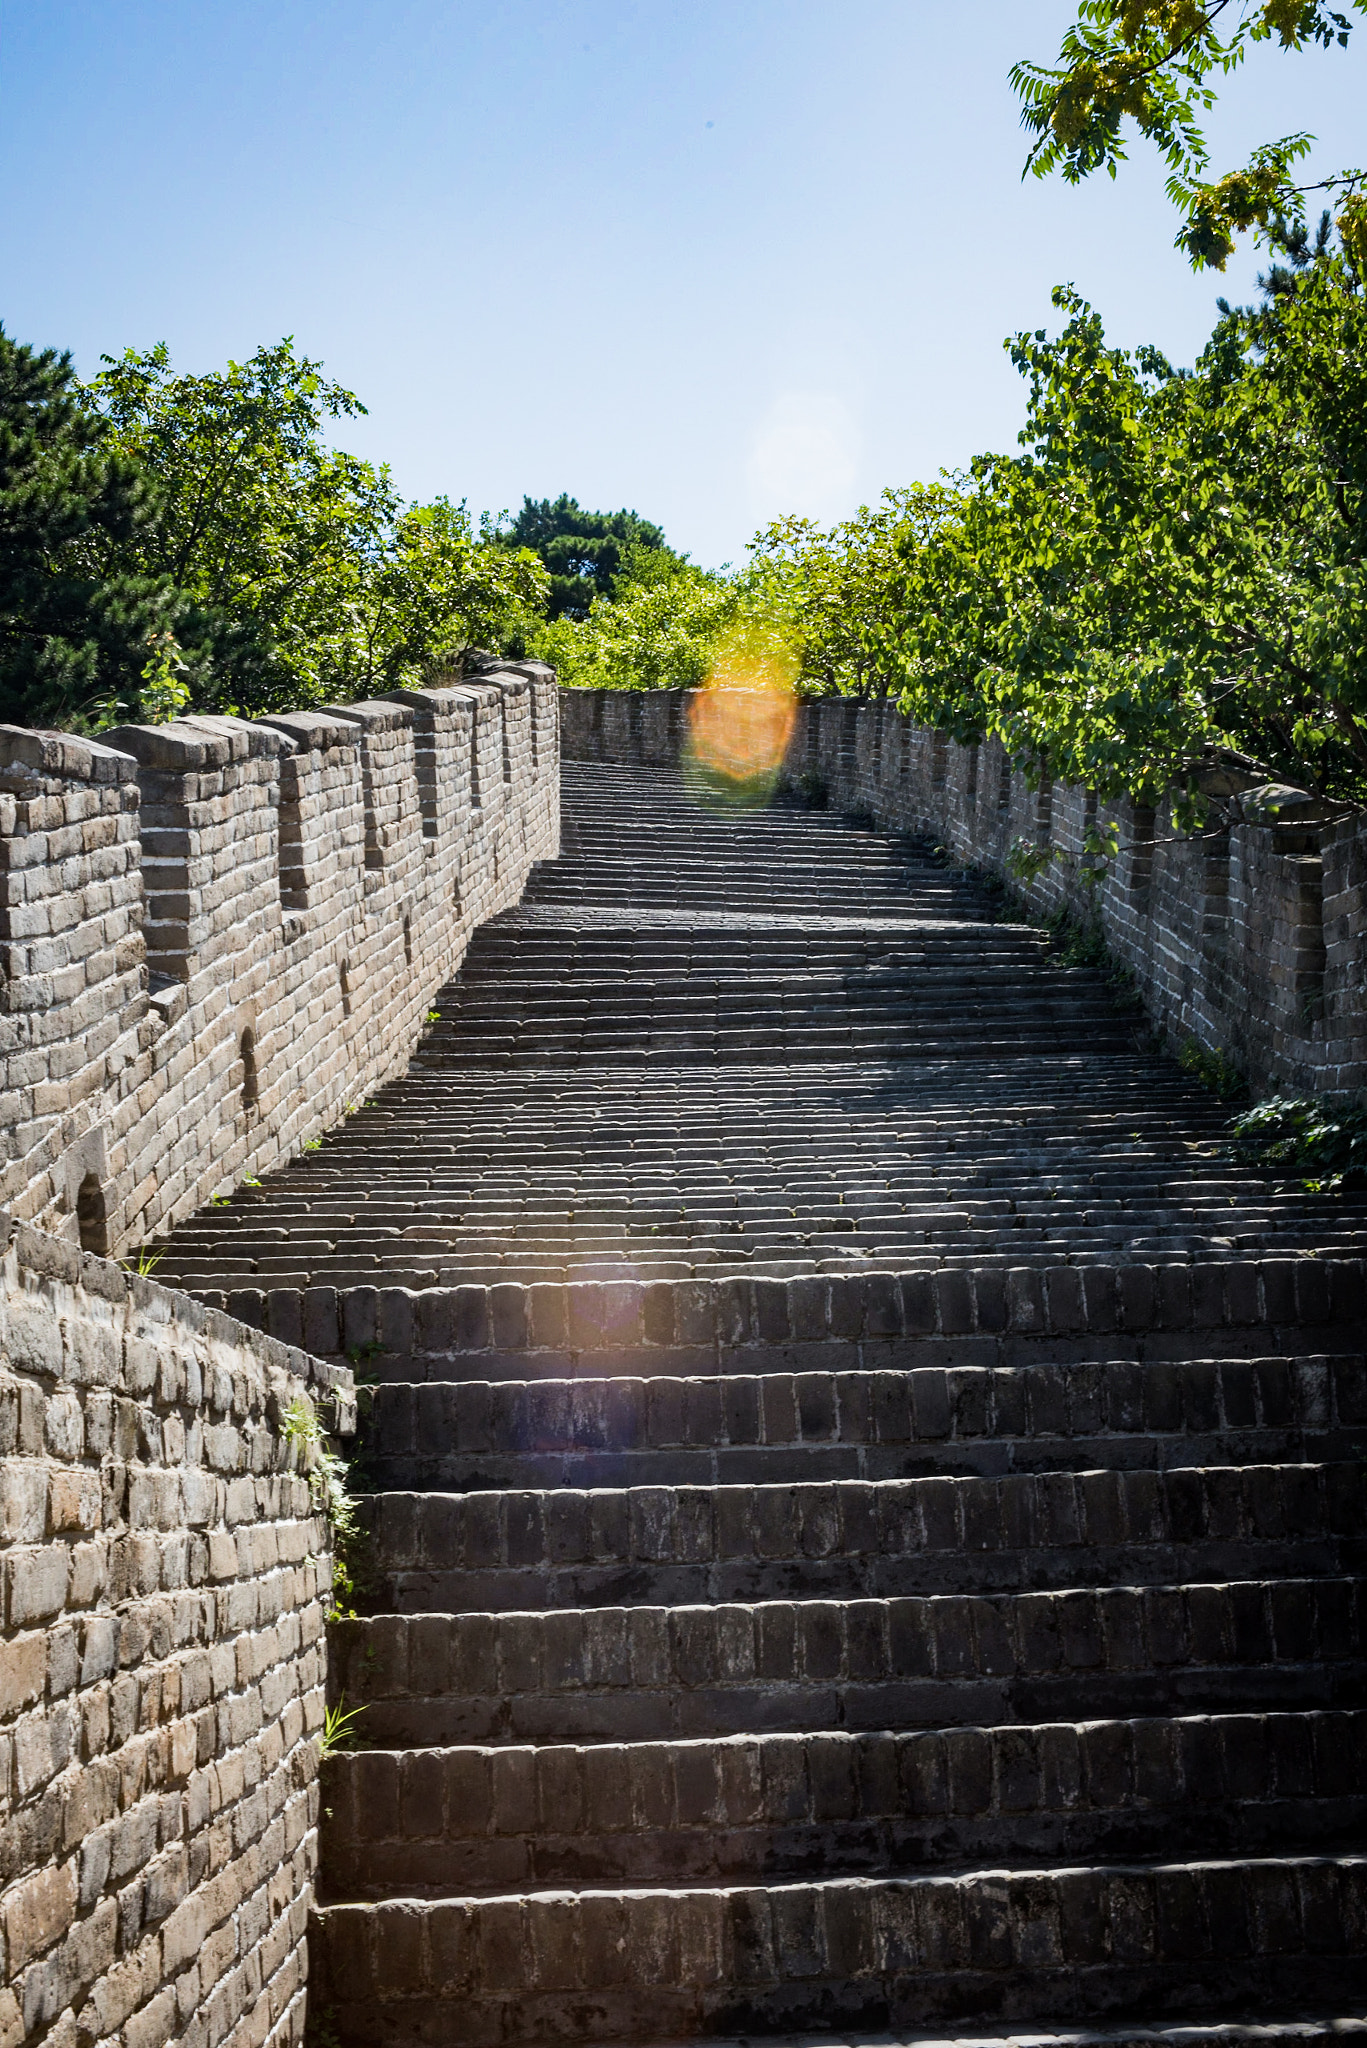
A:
[164,1579]
[217,934]
[1252,940]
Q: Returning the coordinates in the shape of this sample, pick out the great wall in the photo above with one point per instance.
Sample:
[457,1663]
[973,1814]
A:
[863,1494]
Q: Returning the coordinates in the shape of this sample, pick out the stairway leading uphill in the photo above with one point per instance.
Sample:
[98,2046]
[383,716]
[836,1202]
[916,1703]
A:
[1014,1694]
[710,1044]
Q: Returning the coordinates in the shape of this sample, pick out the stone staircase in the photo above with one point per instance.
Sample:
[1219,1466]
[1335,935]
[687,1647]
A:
[937,1685]
[710,1045]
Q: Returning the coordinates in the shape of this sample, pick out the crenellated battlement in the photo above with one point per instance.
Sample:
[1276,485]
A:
[218,934]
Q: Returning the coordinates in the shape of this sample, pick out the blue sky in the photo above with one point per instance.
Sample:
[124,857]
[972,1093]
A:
[716,260]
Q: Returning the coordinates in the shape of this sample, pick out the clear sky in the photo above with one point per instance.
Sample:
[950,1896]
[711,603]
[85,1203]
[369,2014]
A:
[716,259]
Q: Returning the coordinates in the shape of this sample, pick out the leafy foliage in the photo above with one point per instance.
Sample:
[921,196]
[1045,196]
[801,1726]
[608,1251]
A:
[69,628]
[584,552]
[1163,592]
[831,590]
[1214,1069]
[1321,1144]
[1153,62]
[304,576]
[1171,580]
[301,1427]
[659,632]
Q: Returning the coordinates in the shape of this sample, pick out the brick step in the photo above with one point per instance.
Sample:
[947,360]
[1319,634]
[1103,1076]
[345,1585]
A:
[520,959]
[697,902]
[1015,1096]
[743,881]
[800,992]
[1298,2032]
[798,996]
[533,1258]
[641,1964]
[883,1224]
[483,1819]
[485,1257]
[520,945]
[655,1194]
[1263,2032]
[530,1257]
[980,1315]
[553,1029]
[988,1186]
[861,1539]
[631,1674]
[741,1239]
[519,1049]
[778,1427]
[683,1195]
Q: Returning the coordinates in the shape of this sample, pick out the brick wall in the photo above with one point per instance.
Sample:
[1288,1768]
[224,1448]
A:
[161,1676]
[216,934]
[1251,940]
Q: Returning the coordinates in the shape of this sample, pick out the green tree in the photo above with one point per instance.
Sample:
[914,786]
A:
[307,577]
[1174,571]
[829,590]
[406,609]
[1153,62]
[71,631]
[659,632]
[584,551]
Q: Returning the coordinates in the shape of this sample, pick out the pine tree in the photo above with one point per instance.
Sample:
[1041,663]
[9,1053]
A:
[71,632]
[583,550]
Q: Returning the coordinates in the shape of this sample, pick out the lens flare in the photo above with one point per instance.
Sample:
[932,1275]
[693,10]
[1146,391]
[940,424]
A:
[742,719]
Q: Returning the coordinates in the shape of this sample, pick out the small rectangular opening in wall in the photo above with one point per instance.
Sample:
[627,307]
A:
[1214,851]
[1088,828]
[251,1077]
[374,852]
[92,1221]
[971,772]
[166,880]
[294,891]
[1141,852]
[425,768]
[1004,781]
[939,760]
[1044,808]
[476,793]
[1310,957]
